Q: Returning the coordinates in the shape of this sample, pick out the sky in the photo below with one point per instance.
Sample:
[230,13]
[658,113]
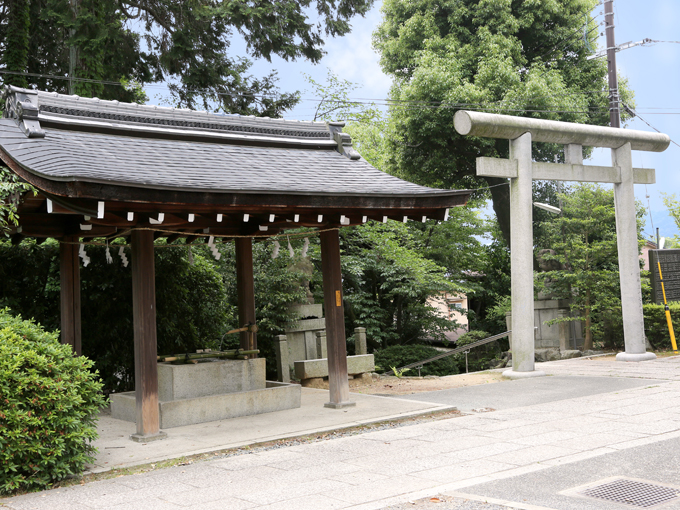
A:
[653,72]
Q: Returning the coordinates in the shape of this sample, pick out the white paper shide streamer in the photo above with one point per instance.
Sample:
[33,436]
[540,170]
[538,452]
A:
[275,251]
[109,258]
[305,247]
[123,257]
[83,255]
[213,248]
[291,252]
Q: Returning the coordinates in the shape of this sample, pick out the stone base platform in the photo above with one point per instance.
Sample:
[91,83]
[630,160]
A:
[176,413]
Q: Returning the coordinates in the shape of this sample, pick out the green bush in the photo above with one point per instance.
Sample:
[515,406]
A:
[399,355]
[49,401]
[656,326]
[480,357]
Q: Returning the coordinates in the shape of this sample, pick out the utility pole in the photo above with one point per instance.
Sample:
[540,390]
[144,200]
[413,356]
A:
[614,102]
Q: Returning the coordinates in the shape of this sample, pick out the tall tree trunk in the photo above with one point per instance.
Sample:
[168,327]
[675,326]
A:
[15,56]
[588,337]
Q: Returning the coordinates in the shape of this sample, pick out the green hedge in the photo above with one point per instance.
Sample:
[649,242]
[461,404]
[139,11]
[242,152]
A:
[656,326]
[400,355]
[49,404]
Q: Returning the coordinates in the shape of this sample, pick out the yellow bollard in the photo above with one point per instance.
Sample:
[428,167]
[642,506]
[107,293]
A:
[668,312]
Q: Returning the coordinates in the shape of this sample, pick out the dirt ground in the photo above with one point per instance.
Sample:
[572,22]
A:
[390,385]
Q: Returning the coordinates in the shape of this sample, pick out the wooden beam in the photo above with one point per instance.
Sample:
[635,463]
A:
[69,275]
[245,289]
[338,383]
[144,315]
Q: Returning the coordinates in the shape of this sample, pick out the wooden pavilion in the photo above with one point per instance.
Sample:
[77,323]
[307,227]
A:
[106,169]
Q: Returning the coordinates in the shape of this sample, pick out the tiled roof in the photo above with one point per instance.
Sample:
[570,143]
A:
[67,139]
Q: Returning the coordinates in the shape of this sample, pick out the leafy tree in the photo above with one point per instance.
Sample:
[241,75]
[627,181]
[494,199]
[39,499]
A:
[584,239]
[502,56]
[184,43]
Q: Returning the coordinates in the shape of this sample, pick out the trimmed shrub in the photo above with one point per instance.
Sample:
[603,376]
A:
[49,401]
[656,326]
[399,355]
[480,358]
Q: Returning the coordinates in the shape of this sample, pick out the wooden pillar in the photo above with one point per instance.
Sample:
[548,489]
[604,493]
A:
[144,314]
[335,321]
[245,289]
[69,275]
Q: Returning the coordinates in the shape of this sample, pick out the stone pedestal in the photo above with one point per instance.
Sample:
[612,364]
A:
[301,334]
[209,391]
[563,335]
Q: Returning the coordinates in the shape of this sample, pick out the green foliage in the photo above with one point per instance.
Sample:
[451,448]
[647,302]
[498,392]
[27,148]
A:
[183,43]
[401,355]
[387,280]
[479,358]
[192,309]
[277,286]
[50,400]
[335,105]
[11,189]
[584,239]
[656,326]
[15,51]
[518,58]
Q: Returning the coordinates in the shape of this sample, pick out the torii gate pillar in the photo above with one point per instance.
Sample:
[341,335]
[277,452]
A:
[521,170]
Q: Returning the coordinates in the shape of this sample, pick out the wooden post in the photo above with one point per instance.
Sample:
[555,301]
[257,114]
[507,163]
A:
[245,290]
[335,321]
[69,275]
[144,313]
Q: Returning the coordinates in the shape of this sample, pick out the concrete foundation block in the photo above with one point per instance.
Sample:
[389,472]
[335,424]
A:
[643,356]
[275,397]
[315,368]
[315,382]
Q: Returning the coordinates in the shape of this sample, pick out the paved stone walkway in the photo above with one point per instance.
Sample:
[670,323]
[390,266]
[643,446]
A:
[378,469]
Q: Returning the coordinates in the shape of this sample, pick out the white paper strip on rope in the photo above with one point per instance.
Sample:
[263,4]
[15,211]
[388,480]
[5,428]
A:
[296,218]
[405,219]
[272,217]
[123,257]
[157,221]
[384,219]
[100,210]
[246,217]
[83,255]
[424,219]
[130,216]
[305,247]
[291,252]
[319,218]
[364,219]
[446,215]
[191,217]
[275,251]
[109,258]
[219,218]
[215,252]
[50,208]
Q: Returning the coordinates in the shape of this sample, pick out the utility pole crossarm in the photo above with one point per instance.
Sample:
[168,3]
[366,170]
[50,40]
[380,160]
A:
[624,46]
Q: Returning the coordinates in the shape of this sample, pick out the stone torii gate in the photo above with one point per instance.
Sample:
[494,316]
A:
[520,169]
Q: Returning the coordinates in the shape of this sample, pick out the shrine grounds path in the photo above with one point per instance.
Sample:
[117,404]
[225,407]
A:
[588,421]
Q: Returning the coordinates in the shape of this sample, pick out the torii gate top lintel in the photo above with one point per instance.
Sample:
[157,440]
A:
[491,125]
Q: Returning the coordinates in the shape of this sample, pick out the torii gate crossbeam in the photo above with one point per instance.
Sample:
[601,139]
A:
[519,168]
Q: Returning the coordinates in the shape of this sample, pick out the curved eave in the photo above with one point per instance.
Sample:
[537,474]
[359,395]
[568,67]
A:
[240,199]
